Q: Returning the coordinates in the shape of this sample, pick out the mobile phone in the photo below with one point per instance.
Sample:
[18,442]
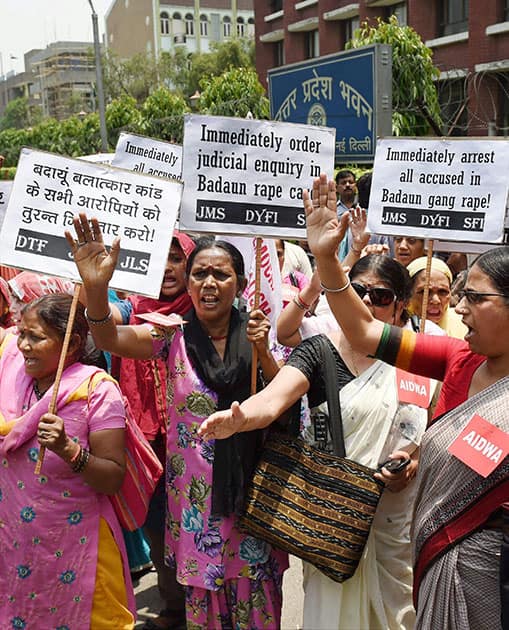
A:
[395,465]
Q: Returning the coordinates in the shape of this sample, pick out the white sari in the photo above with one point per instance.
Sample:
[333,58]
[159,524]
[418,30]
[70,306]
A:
[379,595]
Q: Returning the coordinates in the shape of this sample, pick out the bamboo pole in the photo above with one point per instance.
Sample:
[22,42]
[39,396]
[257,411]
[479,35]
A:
[60,369]
[254,358]
[425,295]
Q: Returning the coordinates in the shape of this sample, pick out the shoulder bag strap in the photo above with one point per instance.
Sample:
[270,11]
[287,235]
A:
[334,421]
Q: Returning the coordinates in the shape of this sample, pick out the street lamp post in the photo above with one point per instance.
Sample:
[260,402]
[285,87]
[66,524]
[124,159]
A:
[99,80]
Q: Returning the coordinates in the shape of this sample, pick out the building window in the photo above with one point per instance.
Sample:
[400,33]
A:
[350,26]
[204,26]
[399,10]
[454,18]
[250,27]
[312,44]
[279,54]
[506,11]
[227,27]
[165,23]
[189,24]
[276,5]
[241,27]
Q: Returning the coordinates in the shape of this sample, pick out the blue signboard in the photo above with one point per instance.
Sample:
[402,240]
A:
[351,91]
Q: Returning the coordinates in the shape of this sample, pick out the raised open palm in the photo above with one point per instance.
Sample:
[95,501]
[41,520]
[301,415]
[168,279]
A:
[95,264]
[324,231]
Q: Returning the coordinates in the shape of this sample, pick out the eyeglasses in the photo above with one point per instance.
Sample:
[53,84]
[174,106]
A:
[378,296]
[476,297]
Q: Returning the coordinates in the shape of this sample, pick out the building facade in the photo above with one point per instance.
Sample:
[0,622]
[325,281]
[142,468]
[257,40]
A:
[59,78]
[63,78]
[152,26]
[469,39]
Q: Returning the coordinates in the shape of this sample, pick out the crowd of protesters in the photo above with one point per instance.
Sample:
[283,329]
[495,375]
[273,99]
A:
[439,540]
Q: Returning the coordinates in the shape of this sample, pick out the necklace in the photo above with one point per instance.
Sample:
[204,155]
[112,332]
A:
[222,338]
[37,391]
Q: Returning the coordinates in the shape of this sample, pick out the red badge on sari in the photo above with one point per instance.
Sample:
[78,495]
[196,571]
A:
[413,389]
[481,446]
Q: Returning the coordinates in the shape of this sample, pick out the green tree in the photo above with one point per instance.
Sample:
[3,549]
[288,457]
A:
[414,95]
[18,114]
[135,77]
[12,141]
[122,114]
[236,92]
[163,115]
[183,71]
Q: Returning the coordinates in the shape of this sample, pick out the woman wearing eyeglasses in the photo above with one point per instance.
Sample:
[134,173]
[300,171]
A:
[377,427]
[458,526]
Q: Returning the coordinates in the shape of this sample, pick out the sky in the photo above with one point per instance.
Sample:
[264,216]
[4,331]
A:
[28,24]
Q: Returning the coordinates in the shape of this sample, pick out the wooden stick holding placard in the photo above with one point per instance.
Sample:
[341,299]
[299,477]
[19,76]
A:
[61,364]
[425,295]
[254,358]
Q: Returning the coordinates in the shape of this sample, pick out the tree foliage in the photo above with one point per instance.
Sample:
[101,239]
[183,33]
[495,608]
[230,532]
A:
[18,114]
[413,75]
[163,115]
[122,114]
[150,99]
[135,77]
[237,92]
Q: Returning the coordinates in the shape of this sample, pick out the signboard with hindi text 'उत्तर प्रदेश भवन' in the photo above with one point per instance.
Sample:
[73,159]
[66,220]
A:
[350,91]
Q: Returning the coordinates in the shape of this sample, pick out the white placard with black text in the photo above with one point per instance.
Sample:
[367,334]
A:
[448,189]
[5,193]
[49,190]
[246,177]
[148,156]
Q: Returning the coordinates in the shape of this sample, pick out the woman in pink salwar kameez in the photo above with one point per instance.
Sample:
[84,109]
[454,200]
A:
[64,563]
[231,580]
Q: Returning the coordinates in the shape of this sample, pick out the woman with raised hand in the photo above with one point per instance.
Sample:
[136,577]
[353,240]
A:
[231,579]
[63,557]
[377,427]
[457,528]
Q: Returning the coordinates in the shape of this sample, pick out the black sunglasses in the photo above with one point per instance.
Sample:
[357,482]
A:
[476,297]
[378,296]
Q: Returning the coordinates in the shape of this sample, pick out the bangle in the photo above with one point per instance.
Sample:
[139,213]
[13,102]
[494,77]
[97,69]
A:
[84,456]
[98,322]
[77,453]
[327,290]
[300,303]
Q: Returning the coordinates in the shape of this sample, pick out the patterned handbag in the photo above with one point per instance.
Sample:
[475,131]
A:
[312,504]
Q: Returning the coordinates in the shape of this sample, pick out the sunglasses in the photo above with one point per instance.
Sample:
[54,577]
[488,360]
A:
[378,296]
[476,297]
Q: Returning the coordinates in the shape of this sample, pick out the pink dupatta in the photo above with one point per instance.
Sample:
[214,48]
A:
[50,522]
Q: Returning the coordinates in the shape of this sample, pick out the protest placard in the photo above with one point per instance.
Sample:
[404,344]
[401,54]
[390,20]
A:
[472,248]
[49,190]
[246,176]
[5,193]
[148,156]
[270,295]
[101,158]
[449,189]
